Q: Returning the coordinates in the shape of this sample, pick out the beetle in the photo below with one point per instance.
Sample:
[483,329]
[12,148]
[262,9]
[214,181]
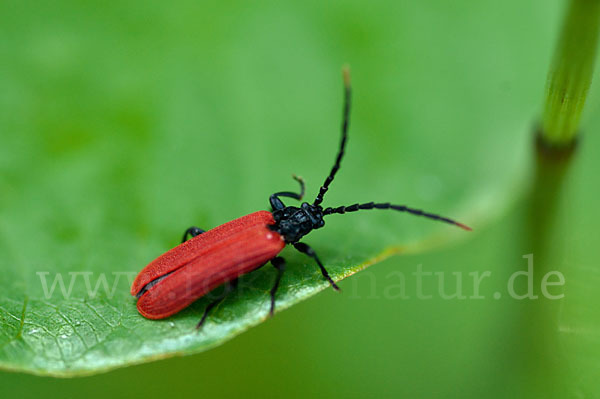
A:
[221,255]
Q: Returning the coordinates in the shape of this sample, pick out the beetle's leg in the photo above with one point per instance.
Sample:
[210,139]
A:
[192,231]
[228,288]
[300,181]
[305,249]
[276,202]
[279,264]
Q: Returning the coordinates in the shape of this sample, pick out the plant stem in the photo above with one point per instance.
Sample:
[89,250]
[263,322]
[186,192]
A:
[570,75]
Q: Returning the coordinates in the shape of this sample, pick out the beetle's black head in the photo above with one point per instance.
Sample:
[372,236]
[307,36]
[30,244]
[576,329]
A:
[294,223]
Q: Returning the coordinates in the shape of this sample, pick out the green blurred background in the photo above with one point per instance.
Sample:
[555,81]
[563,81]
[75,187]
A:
[183,105]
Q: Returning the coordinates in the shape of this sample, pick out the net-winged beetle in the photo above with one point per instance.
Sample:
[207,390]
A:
[219,256]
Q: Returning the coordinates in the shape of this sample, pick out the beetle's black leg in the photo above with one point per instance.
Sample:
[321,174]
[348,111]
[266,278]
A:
[305,249]
[192,231]
[279,264]
[228,288]
[276,202]
[300,181]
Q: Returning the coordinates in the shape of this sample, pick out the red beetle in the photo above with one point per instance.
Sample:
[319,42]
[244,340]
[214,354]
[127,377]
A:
[219,256]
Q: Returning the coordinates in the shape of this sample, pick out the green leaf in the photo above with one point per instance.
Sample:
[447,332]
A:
[122,126]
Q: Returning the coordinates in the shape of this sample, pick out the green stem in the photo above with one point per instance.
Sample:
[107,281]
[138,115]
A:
[570,75]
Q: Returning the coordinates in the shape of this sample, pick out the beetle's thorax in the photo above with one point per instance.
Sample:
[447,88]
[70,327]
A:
[293,223]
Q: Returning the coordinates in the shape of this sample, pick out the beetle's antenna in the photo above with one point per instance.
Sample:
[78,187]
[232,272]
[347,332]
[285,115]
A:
[345,122]
[400,208]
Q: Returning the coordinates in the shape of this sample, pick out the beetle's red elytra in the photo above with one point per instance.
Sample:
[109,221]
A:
[220,256]
[206,261]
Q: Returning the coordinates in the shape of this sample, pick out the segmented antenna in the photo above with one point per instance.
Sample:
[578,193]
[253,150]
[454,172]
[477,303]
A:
[400,208]
[345,122]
